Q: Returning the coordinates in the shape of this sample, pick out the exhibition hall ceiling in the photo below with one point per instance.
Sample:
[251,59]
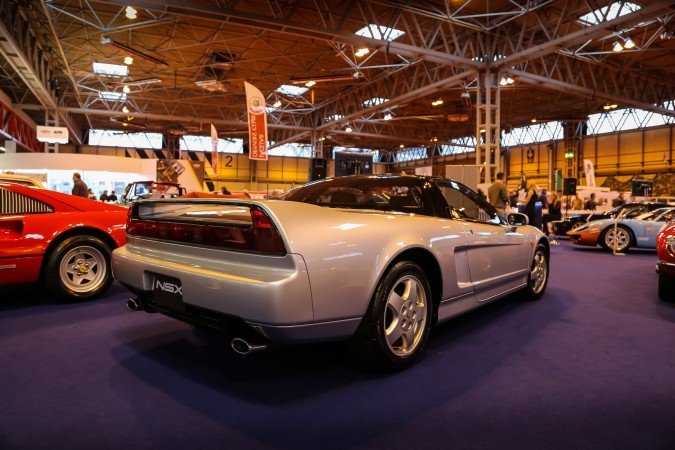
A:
[191,59]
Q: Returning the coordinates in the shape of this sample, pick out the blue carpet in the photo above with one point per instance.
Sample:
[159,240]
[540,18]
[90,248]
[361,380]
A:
[589,366]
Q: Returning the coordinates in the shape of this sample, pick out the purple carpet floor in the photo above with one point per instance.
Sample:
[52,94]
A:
[589,366]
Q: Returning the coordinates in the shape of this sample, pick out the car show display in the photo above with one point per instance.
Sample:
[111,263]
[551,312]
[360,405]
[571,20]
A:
[61,241]
[622,233]
[627,211]
[382,259]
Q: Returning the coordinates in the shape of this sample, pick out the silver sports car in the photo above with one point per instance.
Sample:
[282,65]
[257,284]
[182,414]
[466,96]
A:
[375,260]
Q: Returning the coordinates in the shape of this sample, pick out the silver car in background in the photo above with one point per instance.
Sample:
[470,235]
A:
[373,259]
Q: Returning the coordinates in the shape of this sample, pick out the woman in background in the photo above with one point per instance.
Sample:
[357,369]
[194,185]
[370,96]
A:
[554,213]
[531,196]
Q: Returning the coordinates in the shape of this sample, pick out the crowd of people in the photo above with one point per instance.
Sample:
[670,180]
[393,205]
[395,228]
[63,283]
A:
[80,189]
[552,204]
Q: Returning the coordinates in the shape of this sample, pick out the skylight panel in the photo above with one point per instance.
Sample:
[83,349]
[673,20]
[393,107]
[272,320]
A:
[374,101]
[295,91]
[380,32]
[111,70]
[607,13]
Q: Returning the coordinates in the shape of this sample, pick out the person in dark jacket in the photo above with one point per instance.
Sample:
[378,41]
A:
[79,187]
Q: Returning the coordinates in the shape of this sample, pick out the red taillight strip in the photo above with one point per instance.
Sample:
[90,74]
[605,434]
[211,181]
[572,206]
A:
[261,236]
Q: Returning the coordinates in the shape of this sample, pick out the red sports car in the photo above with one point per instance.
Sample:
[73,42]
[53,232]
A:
[60,241]
[665,249]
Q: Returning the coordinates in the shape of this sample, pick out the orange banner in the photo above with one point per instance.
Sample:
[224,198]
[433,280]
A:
[257,123]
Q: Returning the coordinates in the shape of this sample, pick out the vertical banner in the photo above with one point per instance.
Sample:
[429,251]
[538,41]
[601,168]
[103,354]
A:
[214,150]
[257,123]
[590,173]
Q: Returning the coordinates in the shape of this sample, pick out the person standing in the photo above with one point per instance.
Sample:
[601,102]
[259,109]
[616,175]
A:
[79,187]
[112,197]
[554,214]
[498,196]
[104,196]
[531,197]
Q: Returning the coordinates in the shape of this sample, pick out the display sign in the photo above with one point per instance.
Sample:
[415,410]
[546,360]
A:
[257,122]
[52,135]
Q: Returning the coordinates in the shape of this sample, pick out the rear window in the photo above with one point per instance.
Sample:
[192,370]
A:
[394,194]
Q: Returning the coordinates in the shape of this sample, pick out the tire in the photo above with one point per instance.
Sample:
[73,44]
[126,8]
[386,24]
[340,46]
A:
[396,326]
[79,269]
[538,276]
[623,238]
[666,288]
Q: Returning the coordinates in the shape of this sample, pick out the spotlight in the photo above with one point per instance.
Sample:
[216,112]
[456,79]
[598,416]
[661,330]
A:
[617,47]
[310,83]
[128,60]
[629,43]
[277,104]
[131,12]
[126,89]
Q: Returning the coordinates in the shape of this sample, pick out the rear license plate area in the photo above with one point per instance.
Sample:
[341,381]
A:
[167,292]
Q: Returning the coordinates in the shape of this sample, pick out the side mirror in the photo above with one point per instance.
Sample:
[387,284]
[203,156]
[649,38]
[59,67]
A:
[517,219]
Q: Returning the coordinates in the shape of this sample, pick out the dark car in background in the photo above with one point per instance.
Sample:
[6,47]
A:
[625,211]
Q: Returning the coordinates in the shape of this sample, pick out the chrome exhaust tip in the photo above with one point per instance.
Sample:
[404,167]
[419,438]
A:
[244,347]
[133,304]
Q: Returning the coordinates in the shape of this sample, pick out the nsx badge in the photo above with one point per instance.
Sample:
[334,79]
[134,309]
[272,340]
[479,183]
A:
[168,287]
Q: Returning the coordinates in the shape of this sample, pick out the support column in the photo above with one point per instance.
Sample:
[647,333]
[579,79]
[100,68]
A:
[487,125]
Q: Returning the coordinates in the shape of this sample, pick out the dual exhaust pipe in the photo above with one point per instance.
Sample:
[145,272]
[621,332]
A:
[239,345]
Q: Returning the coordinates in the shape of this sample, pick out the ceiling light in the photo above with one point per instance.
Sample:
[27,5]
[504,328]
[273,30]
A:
[348,129]
[437,102]
[387,116]
[326,78]
[502,81]
[143,81]
[131,12]
[617,47]
[629,43]
[510,80]
[310,83]
[534,120]
[210,85]
[362,52]
[401,146]
[126,89]
[277,104]
[125,110]
[609,106]
[128,60]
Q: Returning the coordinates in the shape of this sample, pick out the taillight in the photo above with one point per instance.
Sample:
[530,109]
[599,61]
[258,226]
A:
[207,228]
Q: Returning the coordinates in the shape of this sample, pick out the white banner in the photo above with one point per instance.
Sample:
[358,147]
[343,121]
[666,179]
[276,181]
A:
[590,173]
[214,150]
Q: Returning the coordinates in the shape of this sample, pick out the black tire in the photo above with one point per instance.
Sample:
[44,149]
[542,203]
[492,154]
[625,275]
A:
[537,280]
[78,269]
[623,237]
[396,326]
[666,288]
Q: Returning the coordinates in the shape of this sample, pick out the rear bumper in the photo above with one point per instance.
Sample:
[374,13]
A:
[222,290]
